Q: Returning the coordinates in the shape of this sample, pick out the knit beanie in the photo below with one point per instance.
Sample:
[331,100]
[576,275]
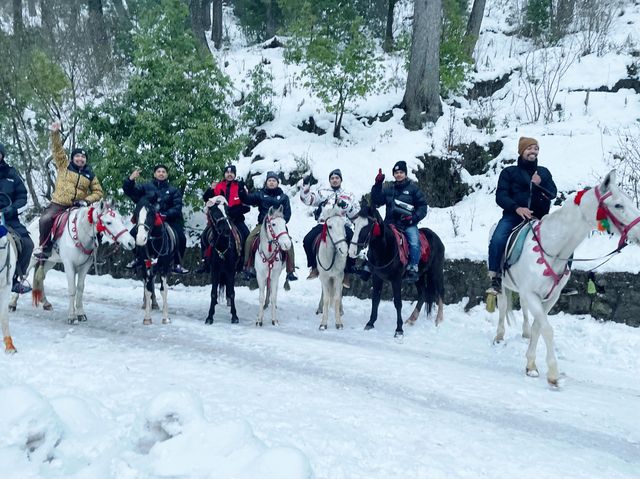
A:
[336,172]
[80,151]
[160,165]
[524,143]
[400,166]
[274,175]
[230,168]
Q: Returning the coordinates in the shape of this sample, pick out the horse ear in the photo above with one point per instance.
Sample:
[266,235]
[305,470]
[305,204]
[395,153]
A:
[609,181]
[270,212]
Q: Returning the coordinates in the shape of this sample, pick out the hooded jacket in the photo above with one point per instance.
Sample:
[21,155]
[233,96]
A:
[265,199]
[405,191]
[167,197]
[12,190]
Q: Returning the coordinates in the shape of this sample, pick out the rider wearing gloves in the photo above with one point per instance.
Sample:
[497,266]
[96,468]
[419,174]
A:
[406,206]
[76,185]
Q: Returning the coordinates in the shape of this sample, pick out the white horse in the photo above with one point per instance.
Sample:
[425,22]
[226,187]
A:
[8,259]
[542,270]
[332,258]
[274,241]
[74,249]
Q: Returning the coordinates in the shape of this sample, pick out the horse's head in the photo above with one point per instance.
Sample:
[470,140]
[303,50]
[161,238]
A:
[217,215]
[618,209]
[334,221]
[147,218]
[107,220]
[361,228]
[276,227]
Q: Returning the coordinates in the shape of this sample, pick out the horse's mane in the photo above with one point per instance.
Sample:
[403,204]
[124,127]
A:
[327,212]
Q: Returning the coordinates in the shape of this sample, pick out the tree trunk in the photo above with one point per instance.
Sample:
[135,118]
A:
[563,17]
[206,14]
[197,24]
[216,29]
[18,22]
[473,25]
[31,5]
[99,38]
[387,45]
[271,24]
[431,80]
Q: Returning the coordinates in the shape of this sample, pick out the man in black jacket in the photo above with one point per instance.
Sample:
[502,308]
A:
[169,201]
[271,195]
[525,191]
[406,205]
[13,196]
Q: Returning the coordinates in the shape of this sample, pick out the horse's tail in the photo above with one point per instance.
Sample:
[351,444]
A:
[435,270]
[38,284]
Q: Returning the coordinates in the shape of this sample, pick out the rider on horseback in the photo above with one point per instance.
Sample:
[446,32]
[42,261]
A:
[524,191]
[230,188]
[406,205]
[76,185]
[335,195]
[13,192]
[269,196]
[169,201]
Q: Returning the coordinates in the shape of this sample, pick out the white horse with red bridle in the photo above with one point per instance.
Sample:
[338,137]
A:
[269,262]
[8,260]
[75,250]
[543,268]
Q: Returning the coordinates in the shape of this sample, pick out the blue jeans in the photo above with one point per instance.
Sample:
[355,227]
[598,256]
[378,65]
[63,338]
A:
[413,238]
[499,240]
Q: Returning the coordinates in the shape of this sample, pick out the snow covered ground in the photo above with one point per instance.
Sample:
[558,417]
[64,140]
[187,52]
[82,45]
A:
[113,398]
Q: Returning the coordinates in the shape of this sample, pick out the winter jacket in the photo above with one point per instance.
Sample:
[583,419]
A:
[72,183]
[265,199]
[231,191]
[13,196]
[167,197]
[329,197]
[394,195]
[515,189]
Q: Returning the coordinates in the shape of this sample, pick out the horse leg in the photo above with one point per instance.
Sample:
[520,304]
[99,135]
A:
[503,309]
[46,305]
[396,285]
[320,303]
[541,326]
[215,277]
[13,302]
[375,302]
[411,320]
[9,348]
[262,286]
[231,297]
[69,270]
[82,275]
[337,298]
[274,300]
[148,291]
[326,299]
[526,326]
[165,306]
[440,313]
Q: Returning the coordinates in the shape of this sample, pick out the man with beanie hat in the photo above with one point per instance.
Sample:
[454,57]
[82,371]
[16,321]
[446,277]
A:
[13,196]
[76,185]
[168,199]
[230,188]
[270,196]
[334,195]
[406,205]
[524,191]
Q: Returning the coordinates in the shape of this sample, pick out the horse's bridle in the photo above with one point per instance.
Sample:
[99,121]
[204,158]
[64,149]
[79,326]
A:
[101,227]
[334,243]
[214,224]
[624,230]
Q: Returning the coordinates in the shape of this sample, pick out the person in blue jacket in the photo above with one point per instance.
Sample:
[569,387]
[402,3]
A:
[525,191]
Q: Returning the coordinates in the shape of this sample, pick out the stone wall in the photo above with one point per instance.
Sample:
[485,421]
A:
[617,296]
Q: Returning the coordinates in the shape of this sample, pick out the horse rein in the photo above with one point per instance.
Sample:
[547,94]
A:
[374,221]
[334,243]
[274,240]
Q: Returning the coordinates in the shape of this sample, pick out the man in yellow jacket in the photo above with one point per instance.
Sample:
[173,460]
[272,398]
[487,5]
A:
[76,185]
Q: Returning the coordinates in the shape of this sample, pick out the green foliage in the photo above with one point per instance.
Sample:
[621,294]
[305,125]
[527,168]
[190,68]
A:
[259,19]
[338,56]
[175,110]
[455,63]
[537,19]
[258,107]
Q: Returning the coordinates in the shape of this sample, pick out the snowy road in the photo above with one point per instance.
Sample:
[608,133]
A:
[445,403]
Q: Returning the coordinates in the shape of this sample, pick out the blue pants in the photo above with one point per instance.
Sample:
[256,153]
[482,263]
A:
[413,238]
[499,240]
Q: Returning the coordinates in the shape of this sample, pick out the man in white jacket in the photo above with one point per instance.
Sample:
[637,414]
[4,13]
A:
[334,195]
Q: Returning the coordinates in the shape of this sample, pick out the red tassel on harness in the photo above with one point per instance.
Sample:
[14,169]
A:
[90,215]
[376,229]
[579,196]
[323,235]
[158,221]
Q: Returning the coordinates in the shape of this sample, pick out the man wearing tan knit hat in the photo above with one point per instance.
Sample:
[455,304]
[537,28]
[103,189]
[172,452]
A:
[524,192]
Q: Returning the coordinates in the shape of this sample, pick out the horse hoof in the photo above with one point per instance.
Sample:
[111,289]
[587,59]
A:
[322,327]
[497,341]
[47,307]
[208,321]
[235,320]
[398,334]
[82,317]
[339,326]
[554,383]
[274,323]
[9,348]
[533,373]
[146,322]
[72,320]
[12,309]
[368,326]
[166,321]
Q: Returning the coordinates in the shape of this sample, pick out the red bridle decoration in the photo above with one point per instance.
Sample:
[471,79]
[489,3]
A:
[323,235]
[601,214]
[158,220]
[376,229]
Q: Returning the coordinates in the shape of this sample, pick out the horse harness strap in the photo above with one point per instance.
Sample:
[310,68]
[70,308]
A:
[548,271]
[7,261]
[624,230]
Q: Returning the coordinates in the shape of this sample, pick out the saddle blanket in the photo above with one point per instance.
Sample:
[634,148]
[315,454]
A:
[403,246]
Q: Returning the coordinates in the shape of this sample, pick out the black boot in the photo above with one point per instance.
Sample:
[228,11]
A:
[496,285]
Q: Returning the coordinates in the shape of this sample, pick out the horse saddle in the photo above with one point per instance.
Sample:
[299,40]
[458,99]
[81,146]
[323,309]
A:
[59,224]
[403,245]
[515,244]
